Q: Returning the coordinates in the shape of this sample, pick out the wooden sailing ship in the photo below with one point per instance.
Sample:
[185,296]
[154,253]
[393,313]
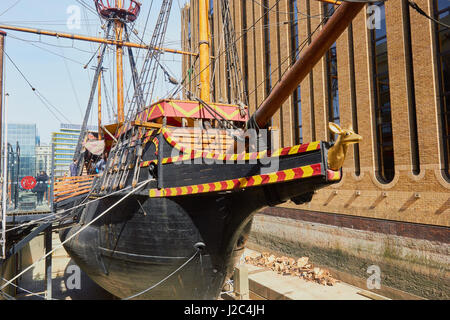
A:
[170,214]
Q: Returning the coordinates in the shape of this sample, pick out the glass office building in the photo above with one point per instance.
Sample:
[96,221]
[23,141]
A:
[44,159]
[27,137]
[65,142]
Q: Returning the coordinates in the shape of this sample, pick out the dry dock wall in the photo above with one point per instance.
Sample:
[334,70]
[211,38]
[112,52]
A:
[69,282]
[29,254]
[414,260]
[7,271]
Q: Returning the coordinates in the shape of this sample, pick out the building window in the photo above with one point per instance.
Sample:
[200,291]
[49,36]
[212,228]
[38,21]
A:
[245,48]
[442,13]
[414,142]
[266,26]
[382,101]
[332,76]
[353,98]
[332,83]
[295,53]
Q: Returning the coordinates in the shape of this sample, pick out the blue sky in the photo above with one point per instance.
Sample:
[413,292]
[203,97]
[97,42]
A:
[63,81]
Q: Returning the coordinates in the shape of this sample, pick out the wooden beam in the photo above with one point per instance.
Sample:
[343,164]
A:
[92,39]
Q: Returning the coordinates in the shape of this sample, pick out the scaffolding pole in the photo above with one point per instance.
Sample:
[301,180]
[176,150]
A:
[4,180]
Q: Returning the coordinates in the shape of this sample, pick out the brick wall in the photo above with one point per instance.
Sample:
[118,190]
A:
[419,198]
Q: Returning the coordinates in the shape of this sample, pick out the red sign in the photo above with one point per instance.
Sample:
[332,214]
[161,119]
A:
[28,183]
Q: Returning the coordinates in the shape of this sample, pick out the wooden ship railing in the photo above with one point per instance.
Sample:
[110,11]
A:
[68,187]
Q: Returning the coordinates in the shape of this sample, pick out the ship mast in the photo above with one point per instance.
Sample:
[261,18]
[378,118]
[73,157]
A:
[119,25]
[99,101]
[204,44]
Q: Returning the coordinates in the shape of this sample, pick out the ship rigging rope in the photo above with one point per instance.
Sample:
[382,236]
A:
[25,290]
[149,68]
[86,6]
[416,7]
[68,210]
[141,41]
[165,279]
[54,45]
[140,186]
[297,56]
[286,12]
[7,296]
[47,50]
[237,90]
[212,111]
[92,57]
[69,74]
[253,26]
[15,4]
[41,97]
[94,86]
[301,46]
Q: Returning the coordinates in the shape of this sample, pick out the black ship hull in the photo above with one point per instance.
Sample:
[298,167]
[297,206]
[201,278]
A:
[200,220]
[143,240]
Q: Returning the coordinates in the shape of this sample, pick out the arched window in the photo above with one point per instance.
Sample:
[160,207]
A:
[382,100]
[442,13]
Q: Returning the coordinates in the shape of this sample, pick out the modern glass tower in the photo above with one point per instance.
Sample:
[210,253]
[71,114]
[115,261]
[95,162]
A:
[65,142]
[27,137]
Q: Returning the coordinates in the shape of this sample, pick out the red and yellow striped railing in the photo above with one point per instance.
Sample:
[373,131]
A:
[244,182]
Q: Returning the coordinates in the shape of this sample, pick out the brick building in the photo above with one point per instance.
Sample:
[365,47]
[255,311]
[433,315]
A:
[390,79]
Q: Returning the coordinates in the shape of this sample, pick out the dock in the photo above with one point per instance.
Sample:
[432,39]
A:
[68,281]
[262,283]
[265,284]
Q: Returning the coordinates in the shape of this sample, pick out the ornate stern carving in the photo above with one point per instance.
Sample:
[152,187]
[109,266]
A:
[337,153]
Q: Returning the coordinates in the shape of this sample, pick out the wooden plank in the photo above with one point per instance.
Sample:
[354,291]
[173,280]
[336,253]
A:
[72,195]
[77,178]
[72,191]
[371,295]
[71,185]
